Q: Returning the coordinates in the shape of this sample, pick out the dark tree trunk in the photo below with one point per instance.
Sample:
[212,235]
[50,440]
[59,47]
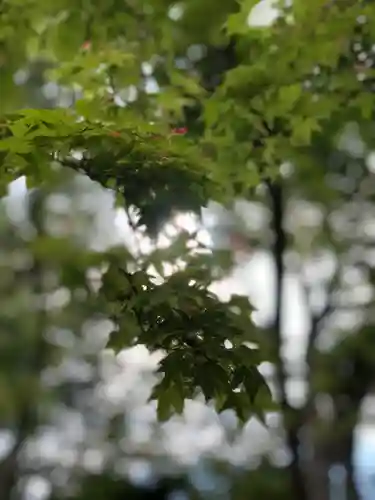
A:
[330,452]
[331,439]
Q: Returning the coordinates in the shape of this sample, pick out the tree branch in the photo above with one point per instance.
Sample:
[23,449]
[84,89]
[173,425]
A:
[318,318]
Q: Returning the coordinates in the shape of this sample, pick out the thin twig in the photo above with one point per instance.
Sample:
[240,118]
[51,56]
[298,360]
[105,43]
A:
[316,319]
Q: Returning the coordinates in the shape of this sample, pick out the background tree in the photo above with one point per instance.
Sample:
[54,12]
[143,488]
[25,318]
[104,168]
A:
[171,106]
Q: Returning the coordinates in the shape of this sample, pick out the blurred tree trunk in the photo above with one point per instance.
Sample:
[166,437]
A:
[331,437]
[330,450]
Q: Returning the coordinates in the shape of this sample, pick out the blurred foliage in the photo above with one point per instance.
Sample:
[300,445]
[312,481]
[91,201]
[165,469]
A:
[279,115]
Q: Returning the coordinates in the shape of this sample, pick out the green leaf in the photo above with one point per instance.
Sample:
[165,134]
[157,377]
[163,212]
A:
[116,341]
[169,400]
[249,356]
[237,24]
[365,103]
[264,402]
[15,145]
[289,96]
[303,128]
[238,402]
[188,84]
[213,380]
[252,381]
